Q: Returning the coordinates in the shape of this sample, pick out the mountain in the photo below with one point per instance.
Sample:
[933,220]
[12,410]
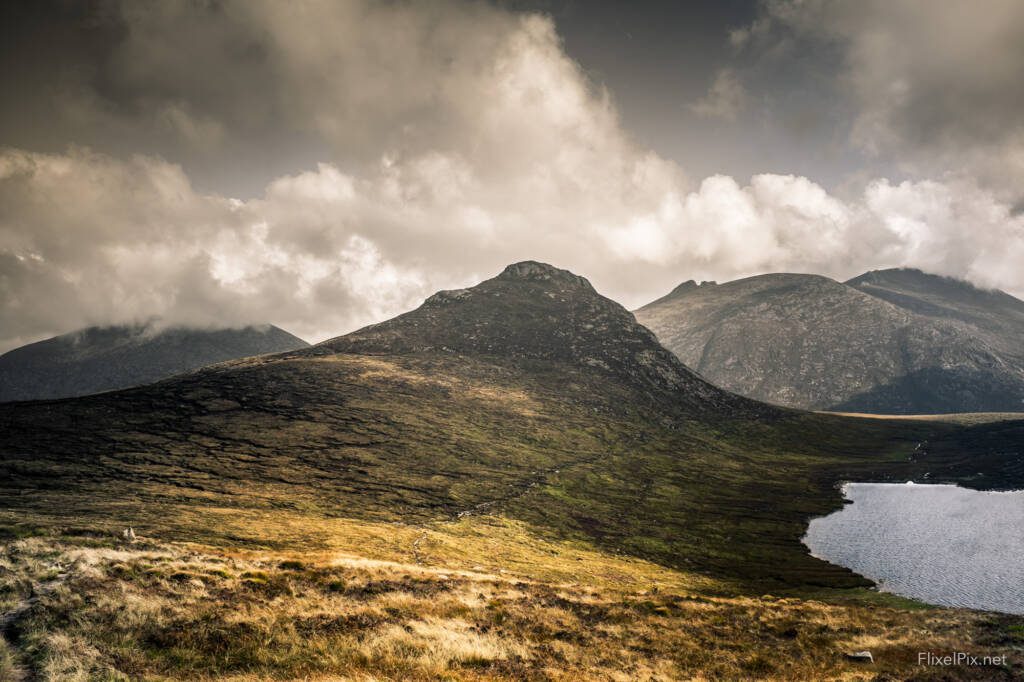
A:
[888,342]
[529,395]
[487,487]
[108,358]
[535,312]
[996,315]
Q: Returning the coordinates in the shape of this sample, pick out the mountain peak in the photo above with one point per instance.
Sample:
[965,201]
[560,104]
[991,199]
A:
[940,296]
[710,289]
[899,340]
[905,276]
[542,272]
[688,285]
[913,279]
[529,312]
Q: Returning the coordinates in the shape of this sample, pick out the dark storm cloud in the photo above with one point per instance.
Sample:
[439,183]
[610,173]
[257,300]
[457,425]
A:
[381,151]
[237,111]
[936,86]
[116,77]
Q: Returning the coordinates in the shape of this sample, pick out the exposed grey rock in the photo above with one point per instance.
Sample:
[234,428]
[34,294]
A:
[898,341]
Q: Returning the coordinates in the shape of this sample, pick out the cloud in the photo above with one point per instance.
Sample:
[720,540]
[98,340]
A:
[952,228]
[725,98]
[938,87]
[361,78]
[88,239]
[457,138]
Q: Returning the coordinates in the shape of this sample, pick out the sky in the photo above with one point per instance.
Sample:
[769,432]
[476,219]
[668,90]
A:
[325,165]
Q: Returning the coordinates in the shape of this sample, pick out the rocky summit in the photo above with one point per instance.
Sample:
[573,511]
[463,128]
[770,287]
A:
[536,312]
[895,341]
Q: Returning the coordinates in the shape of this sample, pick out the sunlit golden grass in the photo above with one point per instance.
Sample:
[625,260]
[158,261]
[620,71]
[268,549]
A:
[476,545]
[359,607]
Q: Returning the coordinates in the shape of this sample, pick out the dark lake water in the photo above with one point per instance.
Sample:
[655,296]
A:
[941,544]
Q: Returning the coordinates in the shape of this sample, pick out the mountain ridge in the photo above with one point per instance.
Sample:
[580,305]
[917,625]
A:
[97,359]
[897,341]
[944,297]
[441,416]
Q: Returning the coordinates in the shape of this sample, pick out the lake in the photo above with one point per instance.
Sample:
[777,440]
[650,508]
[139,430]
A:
[941,544]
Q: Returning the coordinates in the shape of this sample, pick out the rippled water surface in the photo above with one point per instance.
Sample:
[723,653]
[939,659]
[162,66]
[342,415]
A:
[941,544]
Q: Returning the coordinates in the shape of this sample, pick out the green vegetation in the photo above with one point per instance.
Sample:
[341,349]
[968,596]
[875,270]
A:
[415,439]
[674,529]
[616,513]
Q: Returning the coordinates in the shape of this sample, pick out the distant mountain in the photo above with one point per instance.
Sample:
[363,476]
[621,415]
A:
[106,358]
[999,316]
[888,342]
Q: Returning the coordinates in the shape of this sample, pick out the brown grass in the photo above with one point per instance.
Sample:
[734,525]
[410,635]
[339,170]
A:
[156,611]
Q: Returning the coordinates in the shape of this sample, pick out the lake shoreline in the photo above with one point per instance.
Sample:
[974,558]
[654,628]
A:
[941,543]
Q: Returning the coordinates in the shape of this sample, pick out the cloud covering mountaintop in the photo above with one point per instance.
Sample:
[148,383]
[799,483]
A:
[433,144]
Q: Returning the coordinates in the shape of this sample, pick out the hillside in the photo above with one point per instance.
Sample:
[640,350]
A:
[994,314]
[529,393]
[894,342]
[107,358]
[534,471]
[533,312]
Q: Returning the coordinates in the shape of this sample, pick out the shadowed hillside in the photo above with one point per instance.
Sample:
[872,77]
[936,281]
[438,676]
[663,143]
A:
[529,395]
[533,312]
[946,298]
[108,358]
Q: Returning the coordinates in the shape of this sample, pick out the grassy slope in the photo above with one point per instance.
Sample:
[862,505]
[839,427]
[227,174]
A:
[423,438]
[417,439]
[555,470]
[638,534]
